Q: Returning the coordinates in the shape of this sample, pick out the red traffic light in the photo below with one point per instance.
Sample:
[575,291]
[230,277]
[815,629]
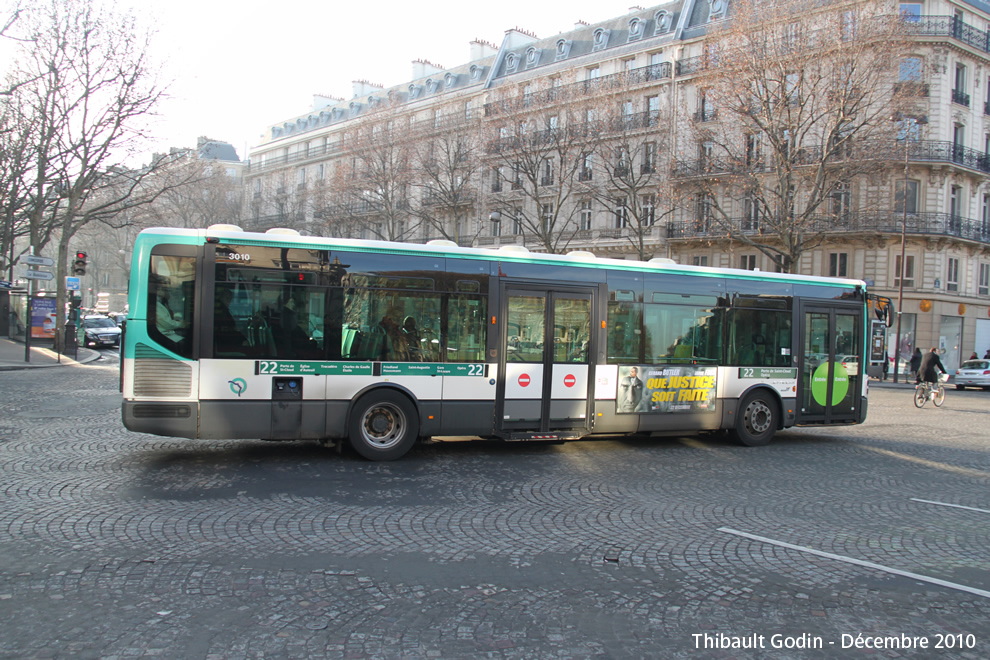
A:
[80,255]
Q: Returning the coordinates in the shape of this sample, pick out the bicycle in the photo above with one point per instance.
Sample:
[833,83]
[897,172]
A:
[924,391]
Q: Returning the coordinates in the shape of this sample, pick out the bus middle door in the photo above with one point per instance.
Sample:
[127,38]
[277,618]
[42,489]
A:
[545,389]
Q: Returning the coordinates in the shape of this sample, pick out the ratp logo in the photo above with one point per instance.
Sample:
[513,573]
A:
[238,386]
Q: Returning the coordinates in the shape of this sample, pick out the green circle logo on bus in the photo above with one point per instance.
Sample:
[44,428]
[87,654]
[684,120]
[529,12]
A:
[819,384]
[237,386]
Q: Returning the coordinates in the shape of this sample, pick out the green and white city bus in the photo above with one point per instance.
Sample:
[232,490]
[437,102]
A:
[283,337]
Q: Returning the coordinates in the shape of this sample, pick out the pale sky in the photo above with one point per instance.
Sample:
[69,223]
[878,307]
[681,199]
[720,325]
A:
[239,67]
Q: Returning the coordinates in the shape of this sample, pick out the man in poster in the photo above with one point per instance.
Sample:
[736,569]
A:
[630,391]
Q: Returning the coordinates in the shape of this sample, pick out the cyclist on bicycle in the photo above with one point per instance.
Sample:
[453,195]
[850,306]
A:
[929,363]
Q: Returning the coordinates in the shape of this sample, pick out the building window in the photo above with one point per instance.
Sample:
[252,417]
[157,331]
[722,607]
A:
[584,220]
[649,164]
[753,149]
[699,261]
[912,196]
[517,223]
[747,262]
[648,204]
[959,94]
[497,179]
[849,25]
[952,276]
[984,287]
[908,271]
[652,110]
[621,213]
[546,175]
[702,213]
[837,264]
[955,208]
[911,11]
[751,213]
[587,168]
[839,203]
[547,212]
[496,227]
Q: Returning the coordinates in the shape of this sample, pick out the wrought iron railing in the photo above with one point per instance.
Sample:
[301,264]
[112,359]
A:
[892,222]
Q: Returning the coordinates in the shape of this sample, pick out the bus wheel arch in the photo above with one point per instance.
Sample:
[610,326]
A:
[757,418]
[383,424]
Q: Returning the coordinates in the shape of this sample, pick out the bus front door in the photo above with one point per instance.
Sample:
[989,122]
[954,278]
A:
[545,387]
[829,365]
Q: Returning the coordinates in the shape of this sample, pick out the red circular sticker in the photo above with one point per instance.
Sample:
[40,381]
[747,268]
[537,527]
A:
[570,380]
[523,380]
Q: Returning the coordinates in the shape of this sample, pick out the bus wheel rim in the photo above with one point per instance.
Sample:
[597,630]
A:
[758,417]
[383,426]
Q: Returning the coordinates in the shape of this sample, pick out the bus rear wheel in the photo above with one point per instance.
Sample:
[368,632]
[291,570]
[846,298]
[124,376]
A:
[757,420]
[383,426]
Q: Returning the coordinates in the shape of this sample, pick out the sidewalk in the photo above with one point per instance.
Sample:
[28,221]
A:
[12,356]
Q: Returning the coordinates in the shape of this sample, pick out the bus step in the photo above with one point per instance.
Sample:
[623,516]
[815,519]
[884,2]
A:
[541,437]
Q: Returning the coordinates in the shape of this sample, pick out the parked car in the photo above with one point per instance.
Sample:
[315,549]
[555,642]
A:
[100,330]
[851,363]
[973,373]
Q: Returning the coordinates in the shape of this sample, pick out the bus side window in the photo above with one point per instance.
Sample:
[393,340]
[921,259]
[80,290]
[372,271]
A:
[171,302]
[625,323]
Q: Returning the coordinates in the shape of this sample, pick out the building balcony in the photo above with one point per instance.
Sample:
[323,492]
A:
[960,97]
[918,224]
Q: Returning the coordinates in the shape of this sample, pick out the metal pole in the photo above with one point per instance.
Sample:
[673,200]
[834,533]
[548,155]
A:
[900,278]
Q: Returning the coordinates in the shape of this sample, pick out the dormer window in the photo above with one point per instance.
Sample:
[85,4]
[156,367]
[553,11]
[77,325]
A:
[476,72]
[432,86]
[449,80]
[562,50]
[636,30]
[511,62]
[600,42]
[717,10]
[533,57]
[355,107]
[663,21]
[415,91]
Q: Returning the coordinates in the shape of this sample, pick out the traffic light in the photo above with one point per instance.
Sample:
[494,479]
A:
[79,264]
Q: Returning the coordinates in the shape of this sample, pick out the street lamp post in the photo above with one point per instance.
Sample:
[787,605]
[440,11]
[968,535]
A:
[918,122]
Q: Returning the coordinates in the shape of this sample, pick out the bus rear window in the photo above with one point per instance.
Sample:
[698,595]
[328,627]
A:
[171,301]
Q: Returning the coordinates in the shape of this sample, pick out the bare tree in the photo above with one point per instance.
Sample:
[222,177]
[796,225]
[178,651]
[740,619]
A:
[536,164]
[92,86]
[629,171]
[371,188]
[792,104]
[447,161]
[16,138]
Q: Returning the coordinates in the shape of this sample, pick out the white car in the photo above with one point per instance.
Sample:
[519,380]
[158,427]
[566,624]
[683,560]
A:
[973,373]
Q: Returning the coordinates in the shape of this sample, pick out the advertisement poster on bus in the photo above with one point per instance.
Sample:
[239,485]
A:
[668,388]
[43,318]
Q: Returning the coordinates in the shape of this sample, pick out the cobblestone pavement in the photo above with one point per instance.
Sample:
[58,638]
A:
[121,545]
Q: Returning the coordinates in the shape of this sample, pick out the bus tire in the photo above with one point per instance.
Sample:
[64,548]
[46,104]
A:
[383,425]
[757,420]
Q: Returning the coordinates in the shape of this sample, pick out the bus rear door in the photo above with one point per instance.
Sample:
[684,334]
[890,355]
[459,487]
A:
[830,364]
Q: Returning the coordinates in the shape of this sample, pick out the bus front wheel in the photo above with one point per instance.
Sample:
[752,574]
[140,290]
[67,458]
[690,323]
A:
[756,421]
[383,426]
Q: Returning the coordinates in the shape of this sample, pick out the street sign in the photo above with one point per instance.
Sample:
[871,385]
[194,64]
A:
[38,275]
[71,283]
[4,284]
[32,260]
